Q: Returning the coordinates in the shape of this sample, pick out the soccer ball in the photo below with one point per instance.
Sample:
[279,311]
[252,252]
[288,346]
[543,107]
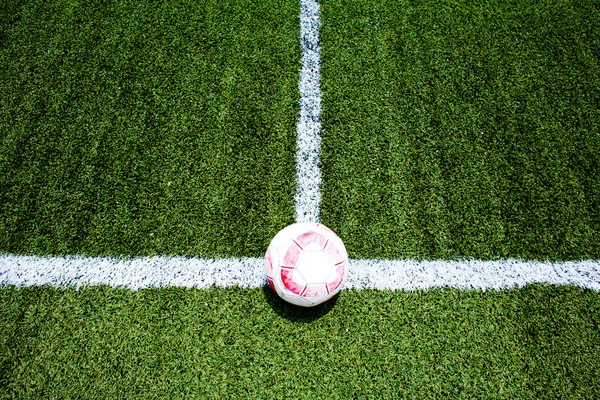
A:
[306,264]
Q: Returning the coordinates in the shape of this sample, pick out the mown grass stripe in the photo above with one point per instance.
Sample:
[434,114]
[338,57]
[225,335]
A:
[139,273]
[308,196]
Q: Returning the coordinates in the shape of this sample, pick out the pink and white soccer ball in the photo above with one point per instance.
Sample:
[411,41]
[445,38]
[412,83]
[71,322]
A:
[306,264]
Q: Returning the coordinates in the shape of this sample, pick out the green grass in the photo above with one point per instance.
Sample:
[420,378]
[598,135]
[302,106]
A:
[451,129]
[142,128]
[536,342]
[462,129]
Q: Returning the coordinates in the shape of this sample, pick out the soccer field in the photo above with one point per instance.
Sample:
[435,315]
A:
[150,151]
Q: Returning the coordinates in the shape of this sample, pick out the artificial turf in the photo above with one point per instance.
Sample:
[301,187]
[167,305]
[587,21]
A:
[143,128]
[451,129]
[536,342]
[461,129]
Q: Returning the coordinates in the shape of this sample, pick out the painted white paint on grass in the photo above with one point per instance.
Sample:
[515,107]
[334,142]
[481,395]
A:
[470,274]
[139,273]
[308,196]
[133,273]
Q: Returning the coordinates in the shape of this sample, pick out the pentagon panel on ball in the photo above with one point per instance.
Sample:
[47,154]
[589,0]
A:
[306,264]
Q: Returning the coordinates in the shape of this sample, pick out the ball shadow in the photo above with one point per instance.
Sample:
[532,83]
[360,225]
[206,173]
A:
[295,313]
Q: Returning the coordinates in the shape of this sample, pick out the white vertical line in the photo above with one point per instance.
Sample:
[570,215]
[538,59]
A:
[308,196]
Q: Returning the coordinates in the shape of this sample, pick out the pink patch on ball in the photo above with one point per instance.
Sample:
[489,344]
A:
[315,291]
[289,282]
[311,237]
[271,283]
[292,255]
[339,269]
[334,253]
[269,262]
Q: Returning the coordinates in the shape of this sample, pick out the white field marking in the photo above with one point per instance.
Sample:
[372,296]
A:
[139,273]
[470,274]
[308,196]
[133,273]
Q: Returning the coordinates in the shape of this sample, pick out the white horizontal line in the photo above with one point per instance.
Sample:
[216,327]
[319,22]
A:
[133,273]
[139,273]
[470,274]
